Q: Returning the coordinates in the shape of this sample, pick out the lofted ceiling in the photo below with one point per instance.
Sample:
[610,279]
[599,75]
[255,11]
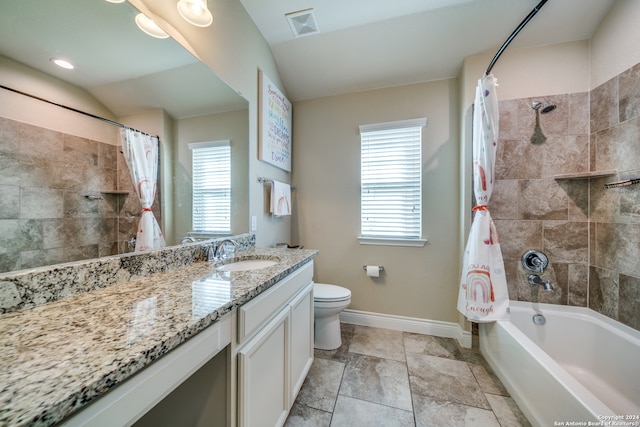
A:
[361,45]
[369,44]
[125,69]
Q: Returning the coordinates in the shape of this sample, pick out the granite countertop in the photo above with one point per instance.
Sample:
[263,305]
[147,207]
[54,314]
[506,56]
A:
[61,355]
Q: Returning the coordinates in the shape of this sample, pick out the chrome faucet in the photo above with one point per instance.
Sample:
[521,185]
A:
[187,239]
[534,279]
[537,264]
[220,251]
[535,261]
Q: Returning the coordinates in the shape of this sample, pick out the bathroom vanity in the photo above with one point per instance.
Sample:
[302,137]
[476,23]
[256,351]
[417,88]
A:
[192,344]
[275,349]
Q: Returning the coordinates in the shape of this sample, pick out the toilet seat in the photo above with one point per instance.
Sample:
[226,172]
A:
[323,292]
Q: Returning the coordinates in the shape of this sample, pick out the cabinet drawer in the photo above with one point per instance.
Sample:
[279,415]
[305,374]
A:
[256,312]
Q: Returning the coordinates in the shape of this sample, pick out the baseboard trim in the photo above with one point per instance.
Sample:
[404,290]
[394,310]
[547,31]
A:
[408,324]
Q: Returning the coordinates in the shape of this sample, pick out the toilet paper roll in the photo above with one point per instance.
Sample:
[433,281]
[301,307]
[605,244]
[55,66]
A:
[373,270]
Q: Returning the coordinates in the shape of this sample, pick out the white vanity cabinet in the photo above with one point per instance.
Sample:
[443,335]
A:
[275,349]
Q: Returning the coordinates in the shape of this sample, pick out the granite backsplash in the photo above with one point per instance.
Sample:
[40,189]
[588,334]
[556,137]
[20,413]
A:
[28,288]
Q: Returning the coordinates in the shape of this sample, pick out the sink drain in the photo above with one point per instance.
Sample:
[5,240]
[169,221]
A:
[539,319]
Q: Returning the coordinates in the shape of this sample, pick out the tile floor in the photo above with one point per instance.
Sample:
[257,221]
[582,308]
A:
[385,378]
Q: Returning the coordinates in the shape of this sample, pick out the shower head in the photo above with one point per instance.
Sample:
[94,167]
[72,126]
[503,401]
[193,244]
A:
[546,106]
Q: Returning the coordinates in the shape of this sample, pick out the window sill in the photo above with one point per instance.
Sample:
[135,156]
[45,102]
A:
[391,242]
[203,235]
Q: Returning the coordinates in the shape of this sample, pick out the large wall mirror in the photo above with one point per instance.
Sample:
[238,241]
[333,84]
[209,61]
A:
[63,197]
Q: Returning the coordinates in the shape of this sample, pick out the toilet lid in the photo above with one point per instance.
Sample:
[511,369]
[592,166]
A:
[325,292]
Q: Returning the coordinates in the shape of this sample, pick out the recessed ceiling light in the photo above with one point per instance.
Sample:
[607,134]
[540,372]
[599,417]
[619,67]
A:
[62,63]
[149,27]
[303,22]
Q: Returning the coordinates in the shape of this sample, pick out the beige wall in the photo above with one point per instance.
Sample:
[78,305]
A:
[212,127]
[566,67]
[615,46]
[539,71]
[234,48]
[27,110]
[417,282]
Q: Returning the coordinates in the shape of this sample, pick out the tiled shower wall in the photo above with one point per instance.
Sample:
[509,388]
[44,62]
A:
[45,215]
[590,234]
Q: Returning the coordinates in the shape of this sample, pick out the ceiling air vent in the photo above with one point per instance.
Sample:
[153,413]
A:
[303,22]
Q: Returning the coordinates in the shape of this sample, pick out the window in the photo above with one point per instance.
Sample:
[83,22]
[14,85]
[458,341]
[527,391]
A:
[391,184]
[211,175]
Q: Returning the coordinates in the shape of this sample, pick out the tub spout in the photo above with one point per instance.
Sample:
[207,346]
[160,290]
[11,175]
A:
[534,279]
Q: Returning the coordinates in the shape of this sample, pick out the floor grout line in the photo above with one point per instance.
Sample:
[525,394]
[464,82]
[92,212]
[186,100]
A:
[448,350]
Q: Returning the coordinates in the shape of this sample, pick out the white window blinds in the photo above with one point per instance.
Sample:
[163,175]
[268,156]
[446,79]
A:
[391,184]
[211,175]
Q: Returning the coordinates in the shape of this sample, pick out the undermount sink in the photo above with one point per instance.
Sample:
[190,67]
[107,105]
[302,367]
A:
[246,265]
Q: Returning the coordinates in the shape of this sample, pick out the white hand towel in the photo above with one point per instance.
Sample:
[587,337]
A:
[280,198]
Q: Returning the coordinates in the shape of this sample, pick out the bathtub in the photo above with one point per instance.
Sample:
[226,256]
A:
[579,367]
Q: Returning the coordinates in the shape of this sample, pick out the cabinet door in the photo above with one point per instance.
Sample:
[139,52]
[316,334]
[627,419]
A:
[263,376]
[301,339]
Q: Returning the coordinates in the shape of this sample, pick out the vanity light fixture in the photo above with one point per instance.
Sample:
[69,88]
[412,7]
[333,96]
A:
[116,1]
[149,27]
[62,63]
[195,12]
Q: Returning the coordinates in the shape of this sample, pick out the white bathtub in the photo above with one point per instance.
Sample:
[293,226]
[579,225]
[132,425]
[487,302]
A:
[580,366]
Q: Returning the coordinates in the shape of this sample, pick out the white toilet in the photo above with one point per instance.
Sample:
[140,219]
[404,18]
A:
[328,302]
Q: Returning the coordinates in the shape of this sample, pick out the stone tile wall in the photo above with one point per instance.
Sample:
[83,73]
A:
[614,275]
[590,234]
[45,215]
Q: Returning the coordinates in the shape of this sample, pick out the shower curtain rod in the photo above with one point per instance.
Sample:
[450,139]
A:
[75,110]
[513,35]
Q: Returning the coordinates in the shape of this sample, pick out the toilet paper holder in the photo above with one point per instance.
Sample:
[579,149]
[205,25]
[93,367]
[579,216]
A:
[380,268]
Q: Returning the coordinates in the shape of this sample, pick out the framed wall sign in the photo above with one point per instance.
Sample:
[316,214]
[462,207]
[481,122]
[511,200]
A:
[274,124]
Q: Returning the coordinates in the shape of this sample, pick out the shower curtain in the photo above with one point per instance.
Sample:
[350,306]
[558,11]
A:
[141,153]
[483,294]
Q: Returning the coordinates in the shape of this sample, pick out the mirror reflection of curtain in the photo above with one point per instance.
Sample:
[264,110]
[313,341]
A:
[141,153]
